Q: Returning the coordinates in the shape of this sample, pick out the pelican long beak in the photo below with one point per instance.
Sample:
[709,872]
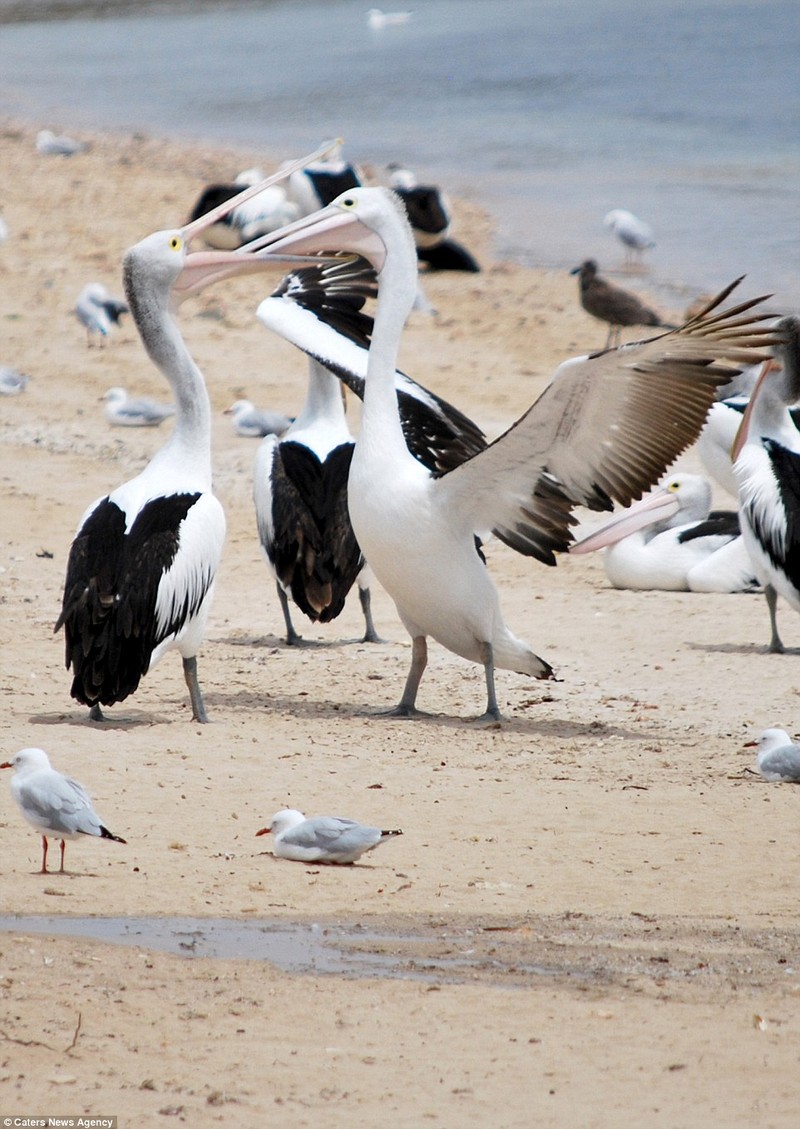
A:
[741,435]
[652,508]
[330,229]
[202,268]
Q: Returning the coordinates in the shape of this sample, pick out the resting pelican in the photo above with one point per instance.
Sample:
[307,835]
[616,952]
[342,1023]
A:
[300,488]
[672,541]
[141,569]
[593,435]
[766,463]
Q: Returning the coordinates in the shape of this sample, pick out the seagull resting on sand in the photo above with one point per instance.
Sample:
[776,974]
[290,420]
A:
[778,758]
[324,838]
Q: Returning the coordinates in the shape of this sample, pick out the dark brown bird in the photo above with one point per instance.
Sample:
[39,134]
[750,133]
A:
[612,304]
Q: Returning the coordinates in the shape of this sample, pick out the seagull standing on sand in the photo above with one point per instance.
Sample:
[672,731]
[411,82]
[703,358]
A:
[778,758]
[593,435]
[323,838]
[54,804]
[612,304]
[140,575]
[51,145]
[766,463]
[254,423]
[97,311]
[123,411]
[634,234]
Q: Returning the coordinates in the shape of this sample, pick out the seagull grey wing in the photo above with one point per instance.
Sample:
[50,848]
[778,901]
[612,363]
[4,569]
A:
[321,832]
[784,763]
[59,803]
[604,430]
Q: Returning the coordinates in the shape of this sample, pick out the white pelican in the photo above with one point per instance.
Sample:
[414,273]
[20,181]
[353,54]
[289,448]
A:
[264,212]
[141,568]
[254,423]
[320,182]
[612,304]
[593,435]
[123,410]
[430,218]
[97,311]
[323,838]
[54,804]
[671,541]
[634,234]
[300,488]
[766,463]
[778,758]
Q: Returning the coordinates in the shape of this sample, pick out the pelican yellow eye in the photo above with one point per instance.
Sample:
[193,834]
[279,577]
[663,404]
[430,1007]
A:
[674,487]
[175,243]
[348,202]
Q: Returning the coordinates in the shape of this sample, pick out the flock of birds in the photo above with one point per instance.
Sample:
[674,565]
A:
[413,499]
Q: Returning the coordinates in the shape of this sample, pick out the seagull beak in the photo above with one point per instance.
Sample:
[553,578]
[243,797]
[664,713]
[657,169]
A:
[8,764]
[749,744]
[330,229]
[263,831]
[202,268]
[741,434]
[655,507]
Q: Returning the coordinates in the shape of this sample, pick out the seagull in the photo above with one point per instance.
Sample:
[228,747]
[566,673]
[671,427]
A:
[55,805]
[254,423]
[141,569]
[12,382]
[3,229]
[766,464]
[671,541]
[378,19]
[50,145]
[592,436]
[612,304]
[430,218]
[97,311]
[323,838]
[122,411]
[778,758]
[635,235]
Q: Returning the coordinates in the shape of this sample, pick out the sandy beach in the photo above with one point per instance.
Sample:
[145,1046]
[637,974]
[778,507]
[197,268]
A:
[591,917]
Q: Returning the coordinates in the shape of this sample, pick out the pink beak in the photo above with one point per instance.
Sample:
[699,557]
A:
[654,507]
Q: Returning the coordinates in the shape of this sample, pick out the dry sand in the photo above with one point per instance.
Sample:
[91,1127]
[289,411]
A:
[591,917]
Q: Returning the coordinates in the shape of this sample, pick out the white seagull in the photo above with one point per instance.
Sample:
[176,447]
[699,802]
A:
[123,410]
[52,145]
[323,838]
[673,542]
[634,234]
[254,423]
[300,488]
[97,311]
[54,804]
[377,19]
[778,758]
[593,435]
[141,569]
[766,463]
[12,381]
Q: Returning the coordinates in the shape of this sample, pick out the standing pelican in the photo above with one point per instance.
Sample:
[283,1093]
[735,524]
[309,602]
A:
[141,568]
[592,436]
[300,489]
[766,463]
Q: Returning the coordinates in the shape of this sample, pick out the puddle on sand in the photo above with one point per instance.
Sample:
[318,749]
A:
[291,946]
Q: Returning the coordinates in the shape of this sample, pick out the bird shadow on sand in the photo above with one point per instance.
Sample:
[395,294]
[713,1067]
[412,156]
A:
[740,649]
[278,643]
[126,720]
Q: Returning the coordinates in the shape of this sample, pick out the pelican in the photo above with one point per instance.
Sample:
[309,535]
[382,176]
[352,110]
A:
[612,304]
[319,182]
[634,234]
[141,569]
[300,488]
[766,463]
[430,218]
[254,423]
[265,212]
[97,311]
[591,437]
[123,410]
[673,542]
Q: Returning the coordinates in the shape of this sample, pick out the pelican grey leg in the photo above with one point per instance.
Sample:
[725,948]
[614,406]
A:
[190,674]
[776,647]
[370,634]
[95,713]
[292,637]
[406,707]
[492,709]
